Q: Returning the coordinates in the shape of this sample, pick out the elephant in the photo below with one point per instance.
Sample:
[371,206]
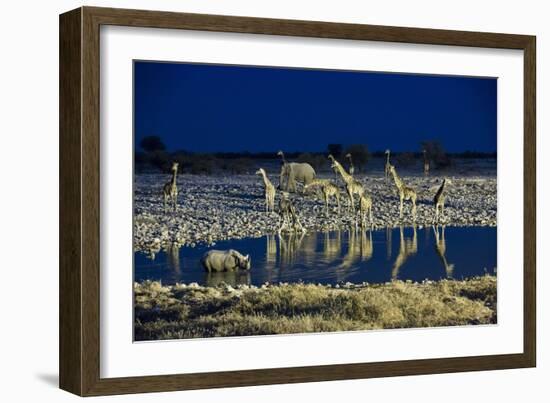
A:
[292,172]
[225,260]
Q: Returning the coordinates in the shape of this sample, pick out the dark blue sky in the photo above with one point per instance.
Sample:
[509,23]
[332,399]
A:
[208,108]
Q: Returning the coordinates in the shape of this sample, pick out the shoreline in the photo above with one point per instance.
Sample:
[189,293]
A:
[216,208]
[191,311]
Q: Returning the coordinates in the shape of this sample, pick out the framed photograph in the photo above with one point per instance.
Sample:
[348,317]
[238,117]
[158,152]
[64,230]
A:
[249,201]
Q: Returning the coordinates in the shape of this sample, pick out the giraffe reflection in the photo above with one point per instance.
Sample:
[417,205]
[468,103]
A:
[407,248]
[271,250]
[388,243]
[174,257]
[360,248]
[441,249]
[289,245]
[332,245]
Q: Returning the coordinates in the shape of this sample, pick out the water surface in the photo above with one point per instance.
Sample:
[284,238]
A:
[337,257]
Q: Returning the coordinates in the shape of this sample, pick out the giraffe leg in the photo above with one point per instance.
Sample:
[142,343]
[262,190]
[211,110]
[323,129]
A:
[351,201]
[414,208]
[400,207]
[370,215]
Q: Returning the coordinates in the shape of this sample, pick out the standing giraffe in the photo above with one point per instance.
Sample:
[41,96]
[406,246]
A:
[353,186]
[328,189]
[351,167]
[426,163]
[170,190]
[269,191]
[365,206]
[405,193]
[288,214]
[281,154]
[439,200]
[388,165]
[441,249]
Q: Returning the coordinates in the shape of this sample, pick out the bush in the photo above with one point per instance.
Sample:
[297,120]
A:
[160,160]
[237,165]
[405,159]
[317,161]
[335,150]
[436,153]
[199,164]
[152,144]
[360,155]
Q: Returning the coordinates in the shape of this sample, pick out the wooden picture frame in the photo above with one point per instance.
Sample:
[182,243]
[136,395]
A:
[80,187]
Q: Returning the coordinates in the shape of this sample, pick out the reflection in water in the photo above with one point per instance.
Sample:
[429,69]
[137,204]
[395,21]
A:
[174,256]
[271,249]
[332,245]
[367,247]
[407,248]
[441,249]
[388,243]
[232,278]
[356,255]
[360,248]
[289,245]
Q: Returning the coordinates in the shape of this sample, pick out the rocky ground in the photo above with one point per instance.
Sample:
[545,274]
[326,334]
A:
[213,208]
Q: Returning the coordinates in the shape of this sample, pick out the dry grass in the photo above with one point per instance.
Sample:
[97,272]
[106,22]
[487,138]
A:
[180,311]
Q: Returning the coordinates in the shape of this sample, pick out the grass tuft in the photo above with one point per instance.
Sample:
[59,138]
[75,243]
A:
[189,311]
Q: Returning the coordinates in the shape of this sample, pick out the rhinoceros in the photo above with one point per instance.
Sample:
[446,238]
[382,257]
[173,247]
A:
[225,260]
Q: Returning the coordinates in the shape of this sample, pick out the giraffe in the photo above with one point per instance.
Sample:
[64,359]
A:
[405,193]
[365,206]
[170,190]
[353,186]
[284,163]
[439,200]
[281,154]
[407,248]
[351,167]
[388,165]
[288,214]
[328,189]
[441,249]
[269,191]
[426,163]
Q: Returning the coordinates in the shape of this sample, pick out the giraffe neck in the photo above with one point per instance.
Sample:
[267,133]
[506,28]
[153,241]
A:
[345,176]
[397,180]
[388,158]
[441,189]
[174,175]
[266,180]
